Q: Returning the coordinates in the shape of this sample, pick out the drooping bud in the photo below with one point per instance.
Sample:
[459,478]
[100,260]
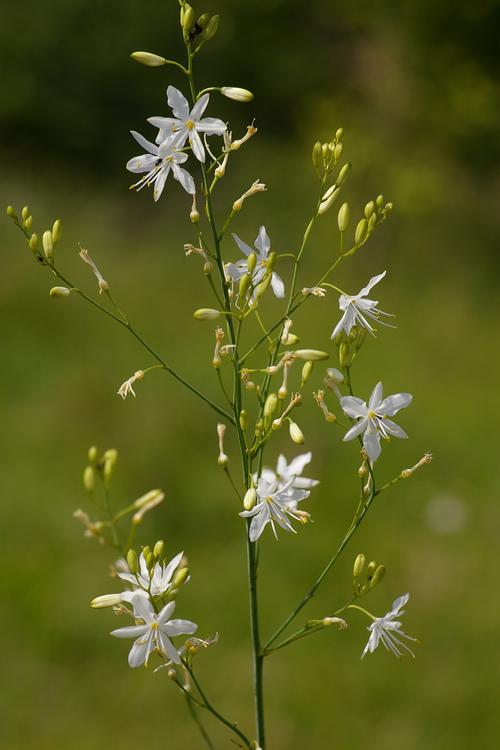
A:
[59,291]
[306,372]
[148,58]
[377,576]
[296,434]
[359,565]
[239,95]
[250,498]
[132,561]
[206,313]
[343,217]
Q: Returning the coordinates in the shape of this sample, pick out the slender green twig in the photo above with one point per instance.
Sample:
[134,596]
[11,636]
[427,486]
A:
[198,722]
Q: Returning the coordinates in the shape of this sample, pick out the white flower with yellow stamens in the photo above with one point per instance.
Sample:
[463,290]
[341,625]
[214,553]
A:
[359,311]
[158,162]
[157,581]
[275,505]
[387,630]
[262,245]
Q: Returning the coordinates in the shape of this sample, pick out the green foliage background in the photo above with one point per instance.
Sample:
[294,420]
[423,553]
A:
[415,86]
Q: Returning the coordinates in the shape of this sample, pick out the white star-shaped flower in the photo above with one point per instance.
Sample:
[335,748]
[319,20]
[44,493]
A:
[155,632]
[286,471]
[156,582]
[359,311]
[388,630]
[185,124]
[275,505]
[157,163]
[373,418]
[262,245]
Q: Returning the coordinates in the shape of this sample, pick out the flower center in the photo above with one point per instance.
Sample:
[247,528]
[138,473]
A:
[154,625]
[190,124]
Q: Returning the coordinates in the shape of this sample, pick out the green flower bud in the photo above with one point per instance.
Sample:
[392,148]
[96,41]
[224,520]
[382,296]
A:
[92,454]
[132,561]
[353,334]
[28,223]
[369,209]
[203,20]
[361,231]
[388,207]
[343,174]
[306,372]
[33,242]
[180,577]
[148,58]
[316,155]
[59,291]
[271,261]
[372,566]
[359,564]
[296,434]
[379,200]
[187,18]
[337,151]
[345,355]
[251,262]
[271,405]
[244,419]
[263,286]
[310,354]
[48,248]
[339,134]
[343,217]
[211,28]
[237,94]
[250,498]
[89,478]
[245,282]
[159,548]
[56,231]
[377,576]
[11,213]
[206,313]
[371,222]
[361,337]
[25,213]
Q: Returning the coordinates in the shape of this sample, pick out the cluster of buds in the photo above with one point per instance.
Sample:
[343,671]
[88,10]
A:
[102,467]
[202,29]
[348,346]
[366,577]
[333,191]
[326,155]
[375,212]
[44,251]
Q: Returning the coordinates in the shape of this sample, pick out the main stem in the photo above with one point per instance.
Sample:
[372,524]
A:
[252,562]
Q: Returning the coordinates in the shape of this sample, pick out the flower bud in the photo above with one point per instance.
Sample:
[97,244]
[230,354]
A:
[250,498]
[372,566]
[92,454]
[316,155]
[150,497]
[345,356]
[132,561]
[369,209]
[89,478]
[239,95]
[203,20]
[56,231]
[48,248]
[353,333]
[11,213]
[263,286]
[339,134]
[194,216]
[361,231]
[28,223]
[159,548]
[252,262]
[33,242]
[306,372]
[292,339]
[377,576]
[329,199]
[379,200]
[148,58]
[360,337]
[206,313]
[25,213]
[106,600]
[310,354]
[244,419]
[388,207]
[271,261]
[59,291]
[359,564]
[187,19]
[211,28]
[180,577]
[337,151]
[245,282]
[271,405]
[343,174]
[296,433]
[343,217]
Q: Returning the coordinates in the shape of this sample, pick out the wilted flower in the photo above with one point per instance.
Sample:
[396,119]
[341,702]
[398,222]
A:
[127,386]
[373,420]
[263,245]
[158,163]
[388,630]
[186,125]
[358,311]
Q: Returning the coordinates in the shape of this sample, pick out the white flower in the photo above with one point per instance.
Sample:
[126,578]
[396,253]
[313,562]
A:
[287,471]
[373,418]
[358,311]
[157,163]
[155,633]
[388,630]
[262,245]
[156,582]
[185,124]
[127,386]
[276,504]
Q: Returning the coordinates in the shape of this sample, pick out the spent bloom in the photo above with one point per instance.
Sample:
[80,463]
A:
[127,386]
[157,581]
[388,630]
[373,418]
[262,245]
[155,632]
[158,162]
[359,310]
[185,124]
[275,505]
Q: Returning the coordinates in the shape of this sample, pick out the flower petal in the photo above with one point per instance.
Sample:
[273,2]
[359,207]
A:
[143,163]
[245,249]
[199,107]
[160,181]
[376,397]
[168,647]
[165,613]
[185,179]
[262,242]
[130,631]
[374,280]
[151,147]
[298,464]
[138,654]
[353,406]
[392,404]
[211,126]
[196,145]
[179,627]
[178,103]
[393,429]
[356,429]
[143,608]
[277,285]
[371,442]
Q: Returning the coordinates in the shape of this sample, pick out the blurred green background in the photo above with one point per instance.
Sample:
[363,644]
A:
[415,86]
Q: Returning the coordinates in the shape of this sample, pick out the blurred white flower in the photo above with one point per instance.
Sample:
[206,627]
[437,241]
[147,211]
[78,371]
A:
[359,311]
[287,471]
[157,581]
[388,630]
[262,245]
[157,163]
[185,124]
[275,504]
[155,632]
[373,421]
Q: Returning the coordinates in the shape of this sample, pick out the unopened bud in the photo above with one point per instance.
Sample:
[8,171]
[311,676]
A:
[306,372]
[363,470]
[377,576]
[271,261]
[132,561]
[153,496]
[251,262]
[353,333]
[370,570]
[360,337]
[203,20]
[337,151]
[329,199]
[361,231]
[343,217]
[48,248]
[250,498]
[316,154]
[239,95]
[261,288]
[25,213]
[271,405]
[310,354]
[180,577]
[343,174]
[369,209]
[159,548]
[106,600]
[244,419]
[28,223]
[56,231]
[59,291]
[187,19]
[345,355]
[211,28]
[379,201]
[206,313]
[245,282]
[359,564]
[88,478]
[148,58]
[92,454]
[11,212]
[296,434]
[33,242]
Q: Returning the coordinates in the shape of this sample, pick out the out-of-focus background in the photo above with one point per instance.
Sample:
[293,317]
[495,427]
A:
[415,86]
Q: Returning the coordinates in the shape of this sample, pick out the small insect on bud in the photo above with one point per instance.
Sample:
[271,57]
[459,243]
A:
[343,174]
[211,28]
[296,434]
[59,291]
[132,561]
[11,213]
[56,231]
[239,95]
[306,372]
[310,354]
[206,313]
[343,217]
[89,478]
[359,565]
[25,213]
[361,231]
[159,548]
[316,155]
[250,498]
[148,58]
[271,405]
[377,576]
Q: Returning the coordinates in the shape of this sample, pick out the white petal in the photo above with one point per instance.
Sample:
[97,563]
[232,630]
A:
[245,249]
[392,404]
[397,605]
[277,285]
[151,147]
[393,429]
[164,123]
[168,647]
[374,280]
[171,567]
[185,179]
[371,443]
[353,406]
[143,163]
[178,103]
[211,126]
[179,627]
[143,608]
[140,651]
[160,181]
[258,524]
[340,325]
[262,242]
[199,107]
[376,397]
[131,631]
[372,643]
[165,613]
[356,429]
[298,464]
[197,145]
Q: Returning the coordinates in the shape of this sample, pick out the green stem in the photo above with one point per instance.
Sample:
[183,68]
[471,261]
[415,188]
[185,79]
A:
[197,721]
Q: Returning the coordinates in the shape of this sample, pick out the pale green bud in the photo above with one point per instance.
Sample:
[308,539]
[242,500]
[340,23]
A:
[11,213]
[245,282]
[148,58]
[329,199]
[369,209]
[203,20]
[106,600]
[361,337]
[359,564]
[271,405]
[271,261]
[251,262]
[180,577]
[345,356]
[110,458]
[28,223]
[150,560]
[353,333]
[159,548]
[56,231]
[310,354]
[337,151]
[88,478]
[244,419]
[363,470]
[150,497]
[261,288]
[306,372]
[239,95]
[388,207]
[59,291]
[379,200]
[187,18]
[296,433]
[372,566]
[316,154]
[211,28]
[292,339]
[92,454]
[361,231]
[339,134]
[343,217]
[250,498]
[343,174]
[324,150]
[132,561]
[372,221]
[377,576]
[25,213]
[206,313]
[33,242]
[48,248]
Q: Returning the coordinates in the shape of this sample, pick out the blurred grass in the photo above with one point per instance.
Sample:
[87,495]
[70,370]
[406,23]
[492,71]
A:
[64,681]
